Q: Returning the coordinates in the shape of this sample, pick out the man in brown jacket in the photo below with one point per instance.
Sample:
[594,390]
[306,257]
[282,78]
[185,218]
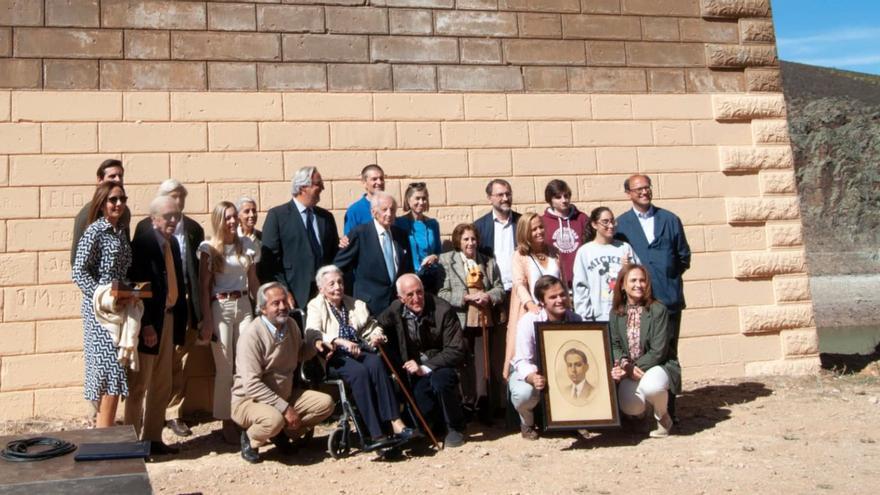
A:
[264,401]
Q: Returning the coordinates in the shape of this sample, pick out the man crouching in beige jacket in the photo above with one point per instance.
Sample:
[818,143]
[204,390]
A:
[264,402]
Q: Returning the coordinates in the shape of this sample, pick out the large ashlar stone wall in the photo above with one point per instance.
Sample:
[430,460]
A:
[451,92]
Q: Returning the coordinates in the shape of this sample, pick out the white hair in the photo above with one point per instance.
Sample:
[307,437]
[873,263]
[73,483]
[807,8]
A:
[261,293]
[403,278]
[241,202]
[168,186]
[324,271]
[377,198]
[158,202]
[302,178]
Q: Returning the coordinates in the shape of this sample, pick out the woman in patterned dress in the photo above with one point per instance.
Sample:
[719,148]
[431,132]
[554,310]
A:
[103,255]
[643,367]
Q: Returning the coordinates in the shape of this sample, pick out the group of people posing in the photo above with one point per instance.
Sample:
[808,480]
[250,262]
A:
[456,326]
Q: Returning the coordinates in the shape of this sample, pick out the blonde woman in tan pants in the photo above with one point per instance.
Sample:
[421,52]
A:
[227,272]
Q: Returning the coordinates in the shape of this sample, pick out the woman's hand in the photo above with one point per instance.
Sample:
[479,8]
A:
[429,260]
[351,347]
[532,307]
[637,373]
[343,242]
[617,373]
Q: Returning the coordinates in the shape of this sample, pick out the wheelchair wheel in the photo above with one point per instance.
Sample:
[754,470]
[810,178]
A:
[337,444]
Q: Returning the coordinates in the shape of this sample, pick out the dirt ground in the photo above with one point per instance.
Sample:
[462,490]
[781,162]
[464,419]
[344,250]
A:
[774,434]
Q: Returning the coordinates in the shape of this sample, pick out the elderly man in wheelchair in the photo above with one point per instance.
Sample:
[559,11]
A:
[345,333]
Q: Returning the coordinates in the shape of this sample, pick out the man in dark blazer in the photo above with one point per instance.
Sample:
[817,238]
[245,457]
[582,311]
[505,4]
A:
[189,235]
[425,345]
[156,259]
[377,253]
[298,238]
[657,237]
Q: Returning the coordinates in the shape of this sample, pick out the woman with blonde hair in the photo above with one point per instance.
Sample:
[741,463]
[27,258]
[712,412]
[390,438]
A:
[532,259]
[227,274]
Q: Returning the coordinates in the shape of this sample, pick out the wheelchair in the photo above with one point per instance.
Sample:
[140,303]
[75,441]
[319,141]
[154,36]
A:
[343,438]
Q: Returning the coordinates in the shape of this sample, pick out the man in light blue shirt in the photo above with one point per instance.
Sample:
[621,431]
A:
[373,179]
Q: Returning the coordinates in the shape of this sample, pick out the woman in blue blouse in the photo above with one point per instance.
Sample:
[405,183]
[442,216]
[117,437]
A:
[424,234]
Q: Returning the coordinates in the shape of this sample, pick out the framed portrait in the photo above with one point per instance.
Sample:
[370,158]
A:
[575,358]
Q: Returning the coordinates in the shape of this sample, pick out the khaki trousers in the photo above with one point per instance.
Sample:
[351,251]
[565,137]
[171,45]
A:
[179,376]
[263,421]
[153,382]
[230,317]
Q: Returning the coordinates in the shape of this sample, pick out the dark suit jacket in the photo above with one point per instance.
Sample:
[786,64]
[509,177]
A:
[440,333]
[195,234]
[148,265]
[667,257]
[286,254]
[653,341]
[486,228]
[365,260]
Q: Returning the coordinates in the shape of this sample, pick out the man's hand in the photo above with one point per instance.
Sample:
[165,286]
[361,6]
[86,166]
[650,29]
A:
[207,330]
[343,242]
[291,417]
[150,336]
[537,381]
[377,338]
[412,367]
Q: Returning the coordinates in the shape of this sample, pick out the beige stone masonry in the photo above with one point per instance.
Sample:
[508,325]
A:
[778,183]
[803,342]
[734,56]
[793,288]
[785,235]
[763,80]
[748,210]
[756,31]
[748,107]
[788,367]
[748,159]
[764,319]
[758,264]
[770,132]
[735,8]
[48,106]
[40,371]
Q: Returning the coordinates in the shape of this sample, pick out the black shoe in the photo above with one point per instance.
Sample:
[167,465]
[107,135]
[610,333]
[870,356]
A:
[159,448]
[179,427]
[283,443]
[381,443]
[454,438]
[408,434]
[248,453]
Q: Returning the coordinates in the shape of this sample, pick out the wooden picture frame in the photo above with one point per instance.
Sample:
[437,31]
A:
[593,402]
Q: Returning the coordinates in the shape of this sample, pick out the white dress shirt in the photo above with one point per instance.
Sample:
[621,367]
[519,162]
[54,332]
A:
[646,220]
[303,212]
[503,232]
[380,231]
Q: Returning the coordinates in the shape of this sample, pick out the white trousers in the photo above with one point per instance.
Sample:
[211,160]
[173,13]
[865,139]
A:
[651,389]
[230,317]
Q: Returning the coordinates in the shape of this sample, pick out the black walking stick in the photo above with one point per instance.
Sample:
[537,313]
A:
[409,398]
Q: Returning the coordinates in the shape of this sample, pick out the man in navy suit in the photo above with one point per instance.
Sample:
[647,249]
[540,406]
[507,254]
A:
[298,238]
[657,237]
[377,253]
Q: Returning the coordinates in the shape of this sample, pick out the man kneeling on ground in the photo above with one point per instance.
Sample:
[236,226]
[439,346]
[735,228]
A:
[264,402]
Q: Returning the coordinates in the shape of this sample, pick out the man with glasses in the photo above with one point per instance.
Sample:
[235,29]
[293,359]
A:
[189,235]
[657,237]
[156,255]
[109,171]
[497,230]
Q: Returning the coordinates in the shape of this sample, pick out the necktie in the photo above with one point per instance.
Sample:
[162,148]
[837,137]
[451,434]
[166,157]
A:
[388,251]
[170,276]
[313,237]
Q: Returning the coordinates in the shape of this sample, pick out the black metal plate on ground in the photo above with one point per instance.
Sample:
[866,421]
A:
[62,475]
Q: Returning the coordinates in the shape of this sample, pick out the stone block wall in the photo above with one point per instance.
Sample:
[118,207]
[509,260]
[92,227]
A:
[232,97]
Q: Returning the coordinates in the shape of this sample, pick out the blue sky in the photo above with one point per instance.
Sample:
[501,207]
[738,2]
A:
[844,34]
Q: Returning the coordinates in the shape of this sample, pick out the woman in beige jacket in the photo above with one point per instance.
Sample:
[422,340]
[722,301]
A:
[346,326]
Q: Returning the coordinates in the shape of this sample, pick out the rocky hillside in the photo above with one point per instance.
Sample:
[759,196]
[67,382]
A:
[834,118]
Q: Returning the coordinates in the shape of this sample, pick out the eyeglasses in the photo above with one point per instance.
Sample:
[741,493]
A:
[117,199]
[605,222]
[640,189]
[502,195]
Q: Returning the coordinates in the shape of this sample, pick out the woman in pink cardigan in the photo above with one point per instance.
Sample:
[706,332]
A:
[531,260]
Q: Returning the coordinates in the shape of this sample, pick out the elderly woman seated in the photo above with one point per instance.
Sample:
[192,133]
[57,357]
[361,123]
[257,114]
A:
[345,325]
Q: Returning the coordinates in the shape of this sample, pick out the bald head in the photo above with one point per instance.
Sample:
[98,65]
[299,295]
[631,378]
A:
[411,292]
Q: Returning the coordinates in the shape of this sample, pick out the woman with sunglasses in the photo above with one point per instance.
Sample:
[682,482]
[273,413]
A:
[103,255]
[596,267]
[227,274]
[423,233]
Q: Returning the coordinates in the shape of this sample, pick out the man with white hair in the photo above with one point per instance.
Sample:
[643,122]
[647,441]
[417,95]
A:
[156,256]
[377,253]
[189,235]
[298,238]
[265,403]
[426,347]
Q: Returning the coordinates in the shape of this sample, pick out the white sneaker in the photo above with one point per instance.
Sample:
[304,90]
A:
[664,427]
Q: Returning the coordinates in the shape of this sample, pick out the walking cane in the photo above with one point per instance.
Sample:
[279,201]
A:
[484,322]
[409,398]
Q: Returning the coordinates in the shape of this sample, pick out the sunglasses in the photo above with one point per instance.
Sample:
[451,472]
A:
[117,200]
[171,216]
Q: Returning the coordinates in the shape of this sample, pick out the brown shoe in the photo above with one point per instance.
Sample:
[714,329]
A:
[179,427]
[231,432]
[529,432]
